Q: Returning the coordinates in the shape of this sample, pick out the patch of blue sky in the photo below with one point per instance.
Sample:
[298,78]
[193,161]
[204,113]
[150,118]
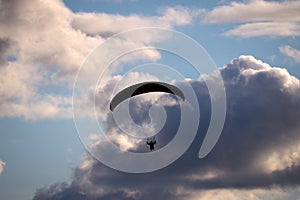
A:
[36,153]
[127,7]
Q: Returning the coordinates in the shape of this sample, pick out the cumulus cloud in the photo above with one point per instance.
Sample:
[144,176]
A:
[256,155]
[290,52]
[43,43]
[2,164]
[258,18]
[42,51]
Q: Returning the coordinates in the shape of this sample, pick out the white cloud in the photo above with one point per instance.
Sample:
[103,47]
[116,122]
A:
[2,164]
[251,66]
[258,18]
[234,194]
[20,95]
[265,29]
[255,10]
[41,35]
[46,52]
[291,52]
[282,158]
[108,24]
[43,43]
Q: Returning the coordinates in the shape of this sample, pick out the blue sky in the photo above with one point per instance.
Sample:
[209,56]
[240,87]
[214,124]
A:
[43,44]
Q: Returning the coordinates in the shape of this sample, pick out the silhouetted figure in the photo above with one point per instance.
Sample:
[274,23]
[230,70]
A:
[151,143]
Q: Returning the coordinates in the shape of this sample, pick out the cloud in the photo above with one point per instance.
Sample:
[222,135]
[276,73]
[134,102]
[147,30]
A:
[2,164]
[258,18]
[290,52]
[108,24]
[254,10]
[4,47]
[252,194]
[43,44]
[20,94]
[256,156]
[42,52]
[273,29]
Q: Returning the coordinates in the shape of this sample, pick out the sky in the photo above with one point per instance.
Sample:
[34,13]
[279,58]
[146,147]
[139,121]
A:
[51,56]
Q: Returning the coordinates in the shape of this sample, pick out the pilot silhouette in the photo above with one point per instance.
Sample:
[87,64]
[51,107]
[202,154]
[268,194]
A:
[151,143]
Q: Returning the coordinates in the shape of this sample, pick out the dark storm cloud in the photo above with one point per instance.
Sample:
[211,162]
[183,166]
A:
[263,113]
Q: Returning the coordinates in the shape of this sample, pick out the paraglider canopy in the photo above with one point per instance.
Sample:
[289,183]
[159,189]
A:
[142,88]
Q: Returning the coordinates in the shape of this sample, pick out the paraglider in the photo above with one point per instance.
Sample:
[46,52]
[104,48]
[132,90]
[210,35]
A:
[142,88]
[151,143]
